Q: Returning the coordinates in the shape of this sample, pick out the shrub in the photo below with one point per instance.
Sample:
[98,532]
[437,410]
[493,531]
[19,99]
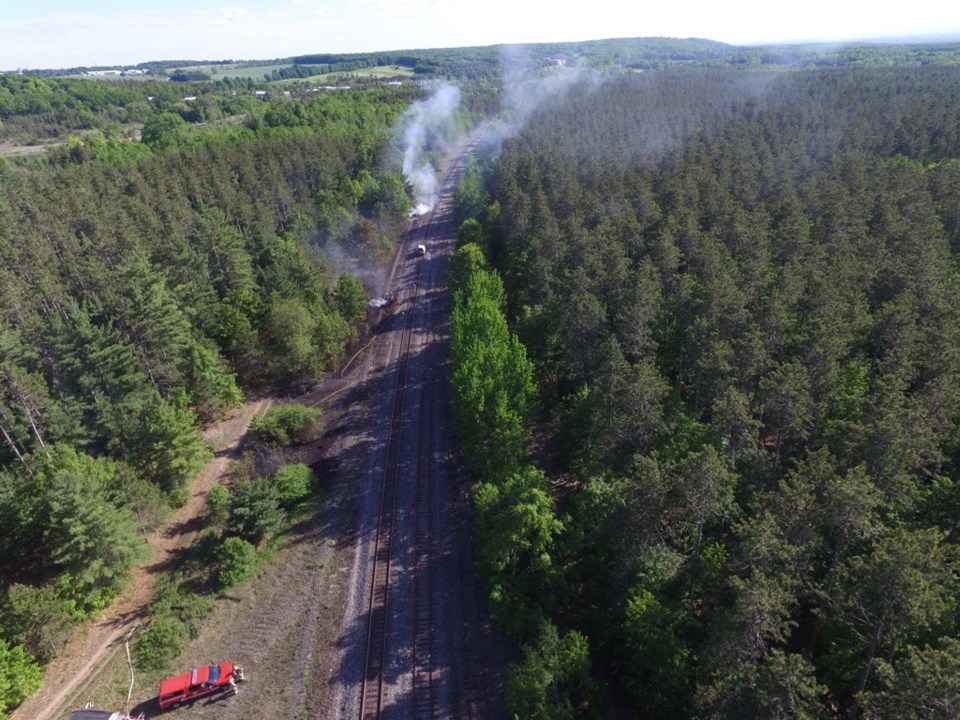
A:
[292,483]
[161,642]
[19,676]
[39,619]
[285,425]
[237,560]
[553,681]
[218,506]
[177,603]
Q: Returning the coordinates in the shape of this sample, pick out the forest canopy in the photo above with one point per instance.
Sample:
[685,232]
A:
[739,294]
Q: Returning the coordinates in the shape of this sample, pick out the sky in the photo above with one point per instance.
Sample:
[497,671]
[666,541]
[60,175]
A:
[71,33]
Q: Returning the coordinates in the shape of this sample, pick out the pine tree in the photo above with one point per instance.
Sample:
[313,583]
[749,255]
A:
[170,451]
[94,541]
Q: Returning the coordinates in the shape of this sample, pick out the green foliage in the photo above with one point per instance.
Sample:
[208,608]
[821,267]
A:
[19,676]
[237,560]
[493,391]
[517,530]
[351,298]
[94,541]
[174,452]
[178,599]
[393,202]
[741,305]
[368,242]
[142,284]
[293,483]
[466,261]
[516,524]
[782,686]
[218,506]
[160,643]
[923,685]
[553,681]
[304,337]
[212,388]
[162,132]
[285,425]
[38,618]
[658,669]
[470,231]
[470,197]
[255,510]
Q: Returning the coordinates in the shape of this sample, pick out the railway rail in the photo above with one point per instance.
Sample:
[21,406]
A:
[425,520]
[372,687]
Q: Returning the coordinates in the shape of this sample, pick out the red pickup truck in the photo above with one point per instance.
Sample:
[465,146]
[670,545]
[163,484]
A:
[199,683]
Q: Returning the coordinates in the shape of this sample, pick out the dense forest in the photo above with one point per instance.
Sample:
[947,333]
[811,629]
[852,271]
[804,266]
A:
[706,344]
[719,477]
[144,285]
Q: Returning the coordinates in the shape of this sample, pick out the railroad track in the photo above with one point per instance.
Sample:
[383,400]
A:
[425,508]
[372,688]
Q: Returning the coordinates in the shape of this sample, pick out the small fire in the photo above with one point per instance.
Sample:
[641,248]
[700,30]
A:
[420,209]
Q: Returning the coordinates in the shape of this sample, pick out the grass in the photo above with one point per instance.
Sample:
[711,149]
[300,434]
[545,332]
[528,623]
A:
[11,150]
[257,72]
[236,70]
[109,690]
[382,72]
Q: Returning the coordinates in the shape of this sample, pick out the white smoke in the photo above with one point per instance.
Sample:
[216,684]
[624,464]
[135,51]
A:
[427,127]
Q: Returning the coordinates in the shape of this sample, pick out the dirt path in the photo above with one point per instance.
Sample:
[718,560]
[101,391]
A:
[96,642]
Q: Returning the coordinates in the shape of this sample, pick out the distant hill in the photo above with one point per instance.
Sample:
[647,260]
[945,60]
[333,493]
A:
[650,53]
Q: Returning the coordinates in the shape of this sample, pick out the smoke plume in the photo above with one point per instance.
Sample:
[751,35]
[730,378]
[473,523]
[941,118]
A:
[427,129]
[529,82]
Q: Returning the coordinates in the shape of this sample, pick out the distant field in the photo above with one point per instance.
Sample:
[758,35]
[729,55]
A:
[12,150]
[217,72]
[383,71]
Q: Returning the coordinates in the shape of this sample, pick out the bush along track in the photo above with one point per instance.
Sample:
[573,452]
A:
[243,517]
